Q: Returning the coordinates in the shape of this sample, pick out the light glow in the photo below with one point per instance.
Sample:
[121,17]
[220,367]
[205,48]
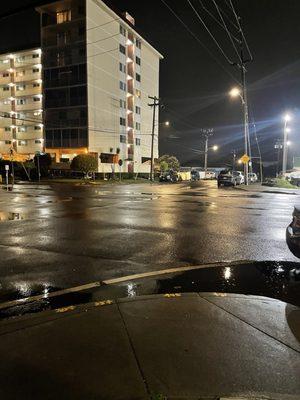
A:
[287,117]
[235,92]
[215,148]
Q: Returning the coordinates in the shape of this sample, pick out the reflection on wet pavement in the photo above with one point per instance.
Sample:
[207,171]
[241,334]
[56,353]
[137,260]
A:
[270,279]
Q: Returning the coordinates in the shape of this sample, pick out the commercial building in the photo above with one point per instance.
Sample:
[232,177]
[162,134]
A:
[98,72]
[21,127]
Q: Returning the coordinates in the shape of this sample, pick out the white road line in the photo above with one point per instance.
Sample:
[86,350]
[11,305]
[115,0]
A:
[113,281]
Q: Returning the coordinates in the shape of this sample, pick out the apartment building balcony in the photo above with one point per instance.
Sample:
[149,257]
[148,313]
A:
[5,108]
[4,80]
[4,135]
[4,147]
[5,122]
[28,107]
[28,76]
[30,135]
[5,94]
[29,146]
[27,61]
[29,90]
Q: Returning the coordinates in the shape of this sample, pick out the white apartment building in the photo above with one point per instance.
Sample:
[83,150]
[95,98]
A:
[21,128]
[98,72]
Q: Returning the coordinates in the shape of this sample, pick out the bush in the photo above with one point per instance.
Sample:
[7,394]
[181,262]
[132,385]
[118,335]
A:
[85,163]
[43,161]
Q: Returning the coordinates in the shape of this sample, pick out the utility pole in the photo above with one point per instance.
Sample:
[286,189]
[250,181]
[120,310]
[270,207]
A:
[246,116]
[207,133]
[233,159]
[285,144]
[156,103]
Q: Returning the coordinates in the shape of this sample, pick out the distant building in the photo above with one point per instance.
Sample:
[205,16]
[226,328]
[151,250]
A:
[97,75]
[21,127]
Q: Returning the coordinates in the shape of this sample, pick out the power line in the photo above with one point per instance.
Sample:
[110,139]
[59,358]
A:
[227,30]
[241,30]
[210,33]
[199,41]
[216,19]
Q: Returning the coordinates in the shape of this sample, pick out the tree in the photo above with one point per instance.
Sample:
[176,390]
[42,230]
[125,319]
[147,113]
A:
[168,162]
[85,163]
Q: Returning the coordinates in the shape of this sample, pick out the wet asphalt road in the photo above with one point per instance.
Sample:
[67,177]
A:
[61,235]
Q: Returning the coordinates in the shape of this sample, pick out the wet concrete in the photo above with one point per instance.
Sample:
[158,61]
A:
[70,235]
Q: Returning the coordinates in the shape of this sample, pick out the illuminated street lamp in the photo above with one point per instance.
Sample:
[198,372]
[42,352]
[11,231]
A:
[286,130]
[215,148]
[167,123]
[237,92]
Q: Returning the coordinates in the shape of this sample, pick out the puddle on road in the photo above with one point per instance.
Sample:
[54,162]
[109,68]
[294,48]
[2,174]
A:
[11,216]
[278,280]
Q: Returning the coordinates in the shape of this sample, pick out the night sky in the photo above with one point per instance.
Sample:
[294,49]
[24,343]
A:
[193,86]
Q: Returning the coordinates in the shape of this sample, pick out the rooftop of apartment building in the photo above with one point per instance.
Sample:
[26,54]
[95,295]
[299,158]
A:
[25,38]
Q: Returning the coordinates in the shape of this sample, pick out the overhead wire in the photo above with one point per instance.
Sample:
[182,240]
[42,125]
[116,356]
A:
[241,30]
[210,33]
[199,41]
[227,30]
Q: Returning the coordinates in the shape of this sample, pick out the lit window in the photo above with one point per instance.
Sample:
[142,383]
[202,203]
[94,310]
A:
[63,16]
[20,73]
[21,87]
[22,142]
[22,128]
[138,93]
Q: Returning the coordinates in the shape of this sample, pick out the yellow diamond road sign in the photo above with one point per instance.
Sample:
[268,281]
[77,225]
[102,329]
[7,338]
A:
[245,159]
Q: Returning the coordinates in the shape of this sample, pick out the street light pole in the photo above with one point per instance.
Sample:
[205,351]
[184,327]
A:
[246,120]
[285,146]
[205,155]
[154,105]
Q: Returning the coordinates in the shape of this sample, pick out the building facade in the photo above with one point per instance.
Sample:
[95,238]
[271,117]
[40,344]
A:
[97,75]
[21,122]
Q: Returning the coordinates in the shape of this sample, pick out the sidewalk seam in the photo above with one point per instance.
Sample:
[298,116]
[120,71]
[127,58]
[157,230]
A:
[248,323]
[133,351]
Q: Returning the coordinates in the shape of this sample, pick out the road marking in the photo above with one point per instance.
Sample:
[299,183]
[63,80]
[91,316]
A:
[65,309]
[113,281]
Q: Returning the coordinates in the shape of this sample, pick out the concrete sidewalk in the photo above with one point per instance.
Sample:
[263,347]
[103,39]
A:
[188,346]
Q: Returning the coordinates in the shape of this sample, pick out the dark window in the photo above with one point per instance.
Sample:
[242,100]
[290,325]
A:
[138,110]
[122,121]
[122,30]
[81,31]
[36,55]
[35,70]
[36,85]
[7,141]
[36,99]
[5,75]
[81,10]
[5,89]
[122,49]
[138,43]
[138,142]
[138,60]
[138,77]
[122,139]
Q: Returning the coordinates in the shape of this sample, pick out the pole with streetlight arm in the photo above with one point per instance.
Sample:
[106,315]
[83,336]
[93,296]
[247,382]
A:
[286,130]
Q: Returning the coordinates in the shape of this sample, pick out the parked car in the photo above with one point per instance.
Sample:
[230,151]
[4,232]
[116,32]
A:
[227,178]
[169,176]
[252,177]
[195,175]
[210,175]
[240,179]
[293,233]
